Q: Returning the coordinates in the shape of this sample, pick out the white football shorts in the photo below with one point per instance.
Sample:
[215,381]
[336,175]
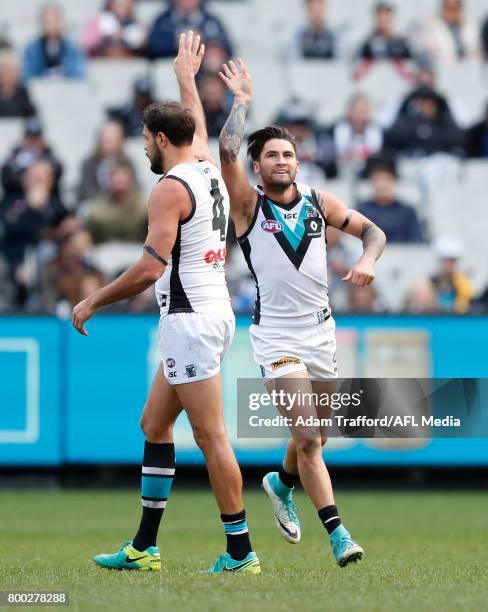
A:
[280,351]
[193,344]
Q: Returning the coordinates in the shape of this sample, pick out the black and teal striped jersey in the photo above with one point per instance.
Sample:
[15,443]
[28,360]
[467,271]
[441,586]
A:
[286,251]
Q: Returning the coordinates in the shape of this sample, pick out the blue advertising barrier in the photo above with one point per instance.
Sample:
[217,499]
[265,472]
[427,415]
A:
[65,398]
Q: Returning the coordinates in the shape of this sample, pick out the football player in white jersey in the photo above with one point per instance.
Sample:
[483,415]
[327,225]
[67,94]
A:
[281,228]
[184,254]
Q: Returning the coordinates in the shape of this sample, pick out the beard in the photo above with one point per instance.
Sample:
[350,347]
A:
[157,163]
[279,184]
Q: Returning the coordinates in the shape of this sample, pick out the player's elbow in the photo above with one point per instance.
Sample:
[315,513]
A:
[381,236]
[227,153]
[151,274]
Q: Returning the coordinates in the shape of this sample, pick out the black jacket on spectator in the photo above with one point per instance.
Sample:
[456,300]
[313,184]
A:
[407,106]
[419,137]
[316,45]
[477,140]
[165,32]
[23,226]
[18,161]
[378,47]
[399,221]
[17,105]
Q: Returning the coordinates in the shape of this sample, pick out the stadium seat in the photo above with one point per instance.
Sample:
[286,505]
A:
[11,131]
[326,85]
[134,147]
[271,90]
[71,116]
[399,267]
[164,79]
[467,80]
[112,80]
[239,21]
[112,257]
[273,27]
[458,207]
[381,84]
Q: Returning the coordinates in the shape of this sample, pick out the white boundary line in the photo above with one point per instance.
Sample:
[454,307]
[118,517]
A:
[29,435]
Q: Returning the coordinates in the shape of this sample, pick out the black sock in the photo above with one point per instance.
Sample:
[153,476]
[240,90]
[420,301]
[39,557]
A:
[330,518]
[289,480]
[158,470]
[238,542]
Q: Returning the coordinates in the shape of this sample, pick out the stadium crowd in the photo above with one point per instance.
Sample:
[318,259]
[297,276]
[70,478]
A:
[49,235]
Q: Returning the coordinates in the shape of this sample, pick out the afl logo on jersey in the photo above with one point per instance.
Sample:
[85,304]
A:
[272,226]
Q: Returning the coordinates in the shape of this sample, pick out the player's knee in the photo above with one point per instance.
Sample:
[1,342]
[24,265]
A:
[308,448]
[155,432]
[206,437]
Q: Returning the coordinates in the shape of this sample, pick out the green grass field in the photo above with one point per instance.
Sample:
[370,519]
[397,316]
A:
[423,552]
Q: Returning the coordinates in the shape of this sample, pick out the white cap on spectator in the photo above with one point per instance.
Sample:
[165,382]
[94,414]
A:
[449,247]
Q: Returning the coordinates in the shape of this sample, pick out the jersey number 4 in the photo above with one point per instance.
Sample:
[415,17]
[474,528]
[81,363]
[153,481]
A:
[219,222]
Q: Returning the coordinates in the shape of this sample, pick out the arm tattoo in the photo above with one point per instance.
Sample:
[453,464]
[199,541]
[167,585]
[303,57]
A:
[373,240]
[346,222]
[232,132]
[154,254]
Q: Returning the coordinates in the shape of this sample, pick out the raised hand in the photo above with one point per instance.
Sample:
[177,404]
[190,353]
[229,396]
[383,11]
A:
[237,80]
[190,55]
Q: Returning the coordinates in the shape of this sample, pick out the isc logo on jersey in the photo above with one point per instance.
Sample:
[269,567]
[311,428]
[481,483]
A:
[271,226]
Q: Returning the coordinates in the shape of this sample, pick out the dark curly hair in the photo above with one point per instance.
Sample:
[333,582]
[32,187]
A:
[259,138]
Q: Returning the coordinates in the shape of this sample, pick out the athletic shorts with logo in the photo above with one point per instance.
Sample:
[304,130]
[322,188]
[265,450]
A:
[193,344]
[280,351]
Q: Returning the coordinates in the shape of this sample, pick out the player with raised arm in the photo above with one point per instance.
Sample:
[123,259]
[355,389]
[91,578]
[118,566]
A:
[184,255]
[281,229]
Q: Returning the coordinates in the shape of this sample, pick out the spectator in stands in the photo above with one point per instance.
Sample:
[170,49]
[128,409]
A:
[398,220]
[316,39]
[421,298]
[297,117]
[7,291]
[115,32]
[383,43]
[364,300]
[357,137]
[451,36]
[215,55]
[213,94]
[28,218]
[426,128]
[67,275]
[130,115]
[32,148]
[342,254]
[477,138]
[481,305]
[95,171]
[121,214]
[404,107]
[453,289]
[52,53]
[14,97]
[183,15]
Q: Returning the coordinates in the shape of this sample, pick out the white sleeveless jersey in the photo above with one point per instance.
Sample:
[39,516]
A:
[194,279]
[286,252]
